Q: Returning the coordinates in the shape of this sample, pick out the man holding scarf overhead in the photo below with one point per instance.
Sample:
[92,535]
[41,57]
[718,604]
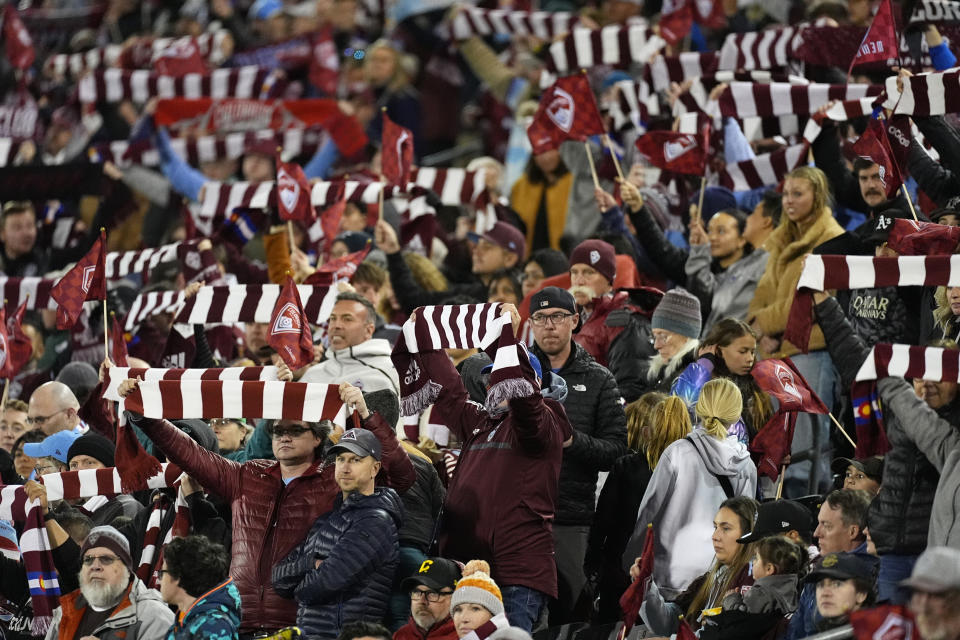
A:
[501,502]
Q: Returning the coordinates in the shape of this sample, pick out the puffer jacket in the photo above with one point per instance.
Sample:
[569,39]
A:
[599,437]
[141,615]
[617,335]
[357,545]
[366,365]
[899,517]
[269,517]
[421,506]
[215,616]
[728,293]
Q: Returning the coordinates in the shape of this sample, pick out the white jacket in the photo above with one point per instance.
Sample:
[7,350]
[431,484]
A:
[366,365]
[681,501]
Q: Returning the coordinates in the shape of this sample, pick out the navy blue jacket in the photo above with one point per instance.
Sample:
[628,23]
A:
[358,545]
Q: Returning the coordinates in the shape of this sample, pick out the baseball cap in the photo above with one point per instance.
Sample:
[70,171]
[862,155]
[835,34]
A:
[779,516]
[435,573]
[359,441]
[936,570]
[264,9]
[842,566]
[882,225]
[552,297]
[55,446]
[505,236]
[871,467]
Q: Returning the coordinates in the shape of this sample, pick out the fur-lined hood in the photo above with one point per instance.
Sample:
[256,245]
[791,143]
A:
[657,362]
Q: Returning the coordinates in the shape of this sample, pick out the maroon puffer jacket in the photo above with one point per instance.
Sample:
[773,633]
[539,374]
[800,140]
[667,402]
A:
[269,518]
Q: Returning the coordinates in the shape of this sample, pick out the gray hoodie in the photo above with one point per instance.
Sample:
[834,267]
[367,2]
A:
[770,594]
[681,501]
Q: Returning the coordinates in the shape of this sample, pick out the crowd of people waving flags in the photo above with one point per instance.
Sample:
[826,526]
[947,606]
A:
[436,320]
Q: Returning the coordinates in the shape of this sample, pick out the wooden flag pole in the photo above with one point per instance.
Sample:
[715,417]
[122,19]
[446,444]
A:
[906,194]
[593,168]
[843,431]
[613,155]
[783,474]
[383,186]
[106,334]
[703,188]
[290,235]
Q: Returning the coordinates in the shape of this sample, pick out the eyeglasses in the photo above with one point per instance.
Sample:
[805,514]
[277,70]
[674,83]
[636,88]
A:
[291,431]
[554,319]
[105,561]
[431,596]
[40,420]
[45,469]
[161,573]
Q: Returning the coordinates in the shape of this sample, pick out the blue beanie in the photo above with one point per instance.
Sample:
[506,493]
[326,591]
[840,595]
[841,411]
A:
[714,199]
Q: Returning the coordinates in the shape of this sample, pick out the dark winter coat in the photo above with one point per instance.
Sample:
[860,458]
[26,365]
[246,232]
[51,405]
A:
[939,179]
[421,506]
[617,334]
[899,517]
[269,517]
[357,545]
[215,616]
[600,433]
[885,314]
[501,501]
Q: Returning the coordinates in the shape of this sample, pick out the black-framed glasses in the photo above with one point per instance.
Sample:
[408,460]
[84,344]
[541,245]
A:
[540,319]
[38,421]
[294,431]
[162,572]
[430,596]
[105,561]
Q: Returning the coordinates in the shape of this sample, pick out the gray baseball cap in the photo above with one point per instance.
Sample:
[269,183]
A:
[937,570]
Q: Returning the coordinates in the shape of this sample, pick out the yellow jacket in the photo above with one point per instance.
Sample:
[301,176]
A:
[525,200]
[774,295]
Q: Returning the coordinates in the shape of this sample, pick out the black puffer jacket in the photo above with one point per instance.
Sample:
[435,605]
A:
[357,543]
[421,506]
[899,517]
[600,433]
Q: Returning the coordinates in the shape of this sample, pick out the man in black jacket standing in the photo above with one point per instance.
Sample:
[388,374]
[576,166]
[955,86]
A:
[595,411]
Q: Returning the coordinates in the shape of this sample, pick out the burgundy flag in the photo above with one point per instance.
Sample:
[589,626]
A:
[119,343]
[417,235]
[874,146]
[881,41]
[887,622]
[675,26]
[85,281]
[396,152]
[17,40]
[344,267]
[678,152]
[632,598]
[772,443]
[568,111]
[910,238]
[293,193]
[868,420]
[330,223]
[290,333]
[899,135]
[782,380]
[19,344]
[181,57]
[684,632]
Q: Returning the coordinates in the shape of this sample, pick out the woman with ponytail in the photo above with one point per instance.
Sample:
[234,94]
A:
[692,477]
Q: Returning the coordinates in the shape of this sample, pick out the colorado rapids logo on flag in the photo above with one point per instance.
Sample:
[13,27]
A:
[88,274]
[561,109]
[288,320]
[290,333]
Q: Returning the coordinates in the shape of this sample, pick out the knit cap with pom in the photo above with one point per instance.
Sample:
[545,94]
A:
[477,587]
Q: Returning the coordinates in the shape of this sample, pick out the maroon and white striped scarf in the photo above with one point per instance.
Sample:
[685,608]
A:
[152,303]
[746,99]
[635,104]
[887,360]
[766,169]
[36,552]
[196,151]
[151,558]
[122,263]
[769,49]
[473,21]
[252,303]
[465,326]
[116,85]
[116,375]
[206,399]
[615,45]
[665,70]
[35,292]
[926,94]
[9,148]
[862,272]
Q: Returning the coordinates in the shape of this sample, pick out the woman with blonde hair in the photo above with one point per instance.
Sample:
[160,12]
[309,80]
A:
[691,477]
[805,223]
[390,73]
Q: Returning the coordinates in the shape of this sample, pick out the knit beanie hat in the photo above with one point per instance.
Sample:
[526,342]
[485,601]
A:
[111,539]
[678,311]
[94,445]
[477,587]
[598,255]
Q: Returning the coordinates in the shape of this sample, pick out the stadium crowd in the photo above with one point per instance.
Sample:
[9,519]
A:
[406,328]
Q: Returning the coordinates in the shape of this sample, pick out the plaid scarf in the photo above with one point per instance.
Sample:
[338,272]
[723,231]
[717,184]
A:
[37,557]
[459,327]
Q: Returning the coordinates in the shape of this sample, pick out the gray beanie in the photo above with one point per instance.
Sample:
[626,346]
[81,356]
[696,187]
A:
[81,377]
[678,311]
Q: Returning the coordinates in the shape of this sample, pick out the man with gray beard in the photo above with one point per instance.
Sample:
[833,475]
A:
[615,327]
[111,602]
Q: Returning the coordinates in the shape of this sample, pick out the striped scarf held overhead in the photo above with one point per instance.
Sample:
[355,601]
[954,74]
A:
[116,375]
[467,326]
[887,360]
[821,273]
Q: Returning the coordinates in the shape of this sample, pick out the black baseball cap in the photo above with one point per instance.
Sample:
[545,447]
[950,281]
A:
[434,573]
[871,467]
[842,566]
[360,442]
[552,297]
[779,516]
